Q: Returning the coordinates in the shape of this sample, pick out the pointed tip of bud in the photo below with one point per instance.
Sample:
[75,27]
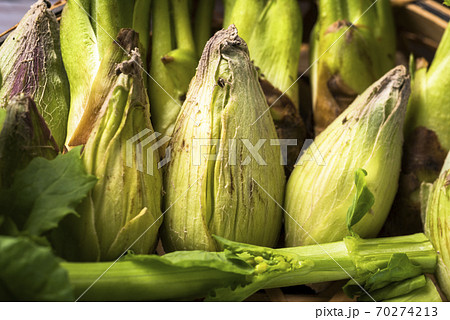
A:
[446,165]
[233,31]
[128,39]
[224,38]
[338,25]
[398,74]
[41,3]
[395,83]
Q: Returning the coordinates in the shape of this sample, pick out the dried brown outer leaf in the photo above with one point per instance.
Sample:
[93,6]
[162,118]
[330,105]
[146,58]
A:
[287,120]
[422,161]
[334,96]
[23,137]
[31,63]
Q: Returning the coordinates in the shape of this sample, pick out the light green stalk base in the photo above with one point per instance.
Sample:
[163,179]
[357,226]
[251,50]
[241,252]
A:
[241,270]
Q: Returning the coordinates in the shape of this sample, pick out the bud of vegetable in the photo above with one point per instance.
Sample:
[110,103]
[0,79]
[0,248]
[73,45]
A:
[124,208]
[30,63]
[427,137]
[87,29]
[24,135]
[274,46]
[436,205]
[221,188]
[368,135]
[203,24]
[353,45]
[429,106]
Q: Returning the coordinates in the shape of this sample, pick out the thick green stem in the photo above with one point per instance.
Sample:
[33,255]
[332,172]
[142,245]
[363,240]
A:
[351,258]
[330,262]
[131,281]
[110,16]
[161,89]
[275,44]
[197,274]
[202,25]
[182,24]
[141,24]
[162,34]
[244,15]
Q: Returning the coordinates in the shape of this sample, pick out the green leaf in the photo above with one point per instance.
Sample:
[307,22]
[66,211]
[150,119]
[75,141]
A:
[396,289]
[352,288]
[427,293]
[31,273]
[447,2]
[47,191]
[216,260]
[399,268]
[363,201]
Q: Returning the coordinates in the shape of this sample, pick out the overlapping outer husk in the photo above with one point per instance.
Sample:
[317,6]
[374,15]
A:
[87,29]
[31,63]
[368,135]
[436,207]
[353,45]
[429,105]
[123,210]
[234,197]
[427,137]
[24,135]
